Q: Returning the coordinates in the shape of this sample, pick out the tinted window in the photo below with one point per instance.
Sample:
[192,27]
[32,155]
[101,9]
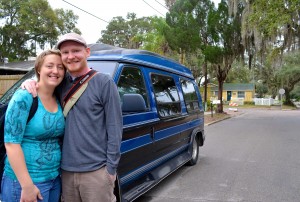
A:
[190,96]
[104,67]
[166,95]
[132,82]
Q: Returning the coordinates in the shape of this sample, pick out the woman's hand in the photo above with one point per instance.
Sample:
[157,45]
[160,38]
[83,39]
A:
[30,193]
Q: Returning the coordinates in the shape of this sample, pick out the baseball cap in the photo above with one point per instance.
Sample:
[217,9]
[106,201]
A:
[71,37]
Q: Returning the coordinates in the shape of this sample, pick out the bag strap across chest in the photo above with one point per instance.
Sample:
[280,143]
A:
[76,91]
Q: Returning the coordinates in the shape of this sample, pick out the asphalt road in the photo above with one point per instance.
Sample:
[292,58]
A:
[253,157]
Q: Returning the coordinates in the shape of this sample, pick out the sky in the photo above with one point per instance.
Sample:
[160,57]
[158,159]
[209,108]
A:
[104,10]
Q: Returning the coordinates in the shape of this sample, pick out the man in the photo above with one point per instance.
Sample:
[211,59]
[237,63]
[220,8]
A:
[93,132]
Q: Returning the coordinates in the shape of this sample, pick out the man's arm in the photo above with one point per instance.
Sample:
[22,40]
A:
[114,126]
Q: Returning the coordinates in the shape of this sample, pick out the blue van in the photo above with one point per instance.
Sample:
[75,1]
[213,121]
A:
[162,114]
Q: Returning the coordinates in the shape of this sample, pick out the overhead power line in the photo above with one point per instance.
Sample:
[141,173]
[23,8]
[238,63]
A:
[90,14]
[154,8]
[86,12]
[162,5]
[105,20]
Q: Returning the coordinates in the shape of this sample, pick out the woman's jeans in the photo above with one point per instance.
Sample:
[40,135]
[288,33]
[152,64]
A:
[11,190]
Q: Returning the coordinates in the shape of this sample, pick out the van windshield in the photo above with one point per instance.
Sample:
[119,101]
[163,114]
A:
[105,67]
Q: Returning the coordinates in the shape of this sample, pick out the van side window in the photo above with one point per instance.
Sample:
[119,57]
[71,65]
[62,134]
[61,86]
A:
[166,95]
[132,82]
[190,96]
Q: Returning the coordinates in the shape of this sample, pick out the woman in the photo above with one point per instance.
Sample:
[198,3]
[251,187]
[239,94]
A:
[32,165]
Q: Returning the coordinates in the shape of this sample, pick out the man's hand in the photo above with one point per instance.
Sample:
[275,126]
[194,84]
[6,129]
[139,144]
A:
[113,177]
[31,86]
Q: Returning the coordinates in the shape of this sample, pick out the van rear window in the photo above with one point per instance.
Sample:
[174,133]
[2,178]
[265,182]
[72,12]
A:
[190,96]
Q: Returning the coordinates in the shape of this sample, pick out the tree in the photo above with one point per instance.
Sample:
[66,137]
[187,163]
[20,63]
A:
[269,29]
[182,34]
[202,11]
[269,77]
[295,94]
[268,26]
[227,46]
[155,40]
[290,74]
[66,22]
[188,18]
[126,33]
[23,30]
[261,90]
[239,73]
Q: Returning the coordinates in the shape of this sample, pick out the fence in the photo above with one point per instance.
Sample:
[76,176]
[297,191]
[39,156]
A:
[238,101]
[264,101]
[6,81]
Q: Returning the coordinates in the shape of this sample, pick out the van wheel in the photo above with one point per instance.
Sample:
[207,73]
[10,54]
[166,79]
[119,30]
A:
[195,152]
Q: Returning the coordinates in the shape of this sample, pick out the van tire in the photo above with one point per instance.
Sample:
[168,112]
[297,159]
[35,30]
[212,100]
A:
[194,152]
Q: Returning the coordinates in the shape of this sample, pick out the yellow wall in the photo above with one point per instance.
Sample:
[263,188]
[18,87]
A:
[224,95]
[209,93]
[249,95]
[234,94]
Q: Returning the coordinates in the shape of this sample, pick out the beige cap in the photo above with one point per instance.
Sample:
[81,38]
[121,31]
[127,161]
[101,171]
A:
[71,37]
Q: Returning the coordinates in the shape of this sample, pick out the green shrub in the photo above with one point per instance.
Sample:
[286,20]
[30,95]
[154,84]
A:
[209,105]
[249,103]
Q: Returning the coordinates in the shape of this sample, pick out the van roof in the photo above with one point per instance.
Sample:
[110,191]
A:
[106,52]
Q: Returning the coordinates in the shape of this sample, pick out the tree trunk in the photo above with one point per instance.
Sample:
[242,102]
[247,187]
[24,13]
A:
[204,69]
[220,97]
[287,97]
[181,56]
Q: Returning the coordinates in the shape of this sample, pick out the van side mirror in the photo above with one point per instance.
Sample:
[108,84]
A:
[133,103]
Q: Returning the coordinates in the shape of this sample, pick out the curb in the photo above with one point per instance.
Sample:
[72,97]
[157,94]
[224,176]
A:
[217,121]
[223,119]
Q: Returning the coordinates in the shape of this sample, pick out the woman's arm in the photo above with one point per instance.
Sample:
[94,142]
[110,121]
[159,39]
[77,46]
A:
[17,161]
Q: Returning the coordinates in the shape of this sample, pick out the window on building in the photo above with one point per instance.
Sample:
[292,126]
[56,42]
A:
[241,94]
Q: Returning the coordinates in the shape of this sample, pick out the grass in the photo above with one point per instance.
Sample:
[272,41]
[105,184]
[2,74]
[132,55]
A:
[216,117]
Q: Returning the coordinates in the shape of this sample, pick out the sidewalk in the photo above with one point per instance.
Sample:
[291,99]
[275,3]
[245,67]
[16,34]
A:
[210,118]
[297,104]
[230,112]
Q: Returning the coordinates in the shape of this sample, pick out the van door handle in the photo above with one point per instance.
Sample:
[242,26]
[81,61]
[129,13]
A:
[152,132]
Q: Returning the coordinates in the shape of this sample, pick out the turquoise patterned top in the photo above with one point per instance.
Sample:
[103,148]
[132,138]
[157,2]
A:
[39,139]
